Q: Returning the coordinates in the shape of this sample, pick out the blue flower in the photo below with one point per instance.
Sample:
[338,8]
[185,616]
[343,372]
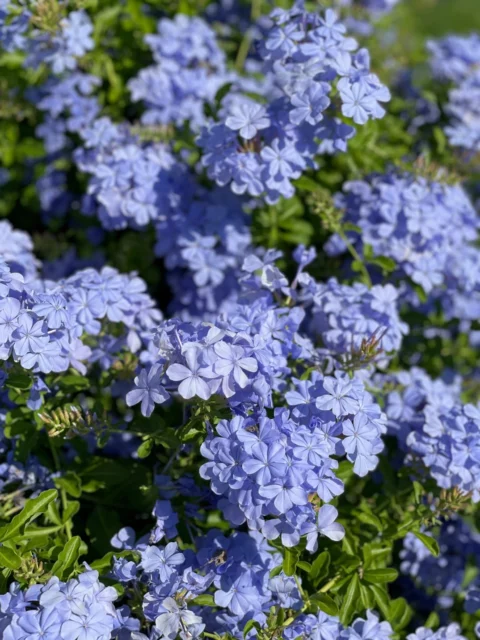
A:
[247,118]
[310,105]
[53,309]
[338,397]
[190,376]
[282,160]
[162,560]
[95,623]
[173,618]
[284,495]
[357,102]
[231,365]
[38,625]
[359,435]
[266,462]
[149,390]
[240,596]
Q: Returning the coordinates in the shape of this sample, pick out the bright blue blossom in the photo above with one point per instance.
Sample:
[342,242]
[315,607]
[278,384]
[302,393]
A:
[247,118]
[304,53]
[408,219]
[148,390]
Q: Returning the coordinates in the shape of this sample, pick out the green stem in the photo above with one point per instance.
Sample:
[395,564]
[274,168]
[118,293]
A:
[330,584]
[243,50]
[244,47]
[11,512]
[256,11]
[355,255]
[299,586]
[63,493]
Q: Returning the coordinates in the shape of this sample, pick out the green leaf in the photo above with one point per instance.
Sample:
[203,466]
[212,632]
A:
[368,252]
[73,383]
[222,92]
[9,559]
[420,291]
[106,18]
[33,508]
[325,603]
[71,483]
[276,571]
[103,564]
[290,560]
[381,597]
[433,621]
[357,266]
[32,532]
[307,184]
[349,226]
[53,513]
[204,600]
[440,139]
[400,614]
[68,557]
[145,449]
[320,567]
[380,576]
[375,554]
[20,381]
[304,566]
[429,542]
[348,544]
[350,601]
[72,508]
[418,491]
[369,518]
[366,596]
[386,264]
[251,624]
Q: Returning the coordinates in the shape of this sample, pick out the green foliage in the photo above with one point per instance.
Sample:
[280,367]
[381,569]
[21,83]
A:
[50,534]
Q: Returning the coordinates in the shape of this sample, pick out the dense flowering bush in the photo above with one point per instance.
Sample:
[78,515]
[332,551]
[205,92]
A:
[239,313]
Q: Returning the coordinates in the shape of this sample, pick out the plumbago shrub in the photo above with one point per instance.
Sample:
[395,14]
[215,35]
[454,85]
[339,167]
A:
[239,320]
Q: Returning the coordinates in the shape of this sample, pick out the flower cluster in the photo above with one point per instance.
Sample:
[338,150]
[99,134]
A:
[453,58]
[412,391]
[436,430]
[235,570]
[464,128]
[78,609]
[272,471]
[456,59]
[42,322]
[50,37]
[409,219]
[202,235]
[260,149]
[244,355]
[59,50]
[16,249]
[270,467]
[133,184]
[448,442]
[190,69]
[329,628]
[452,632]
[355,321]
[445,574]
[377,7]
